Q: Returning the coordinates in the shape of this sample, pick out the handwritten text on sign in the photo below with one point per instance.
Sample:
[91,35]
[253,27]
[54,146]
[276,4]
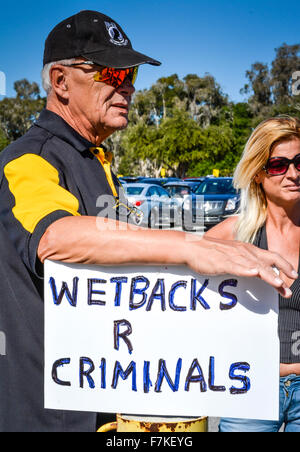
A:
[159,341]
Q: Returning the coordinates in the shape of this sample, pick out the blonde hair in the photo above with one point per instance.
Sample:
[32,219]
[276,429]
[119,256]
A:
[253,208]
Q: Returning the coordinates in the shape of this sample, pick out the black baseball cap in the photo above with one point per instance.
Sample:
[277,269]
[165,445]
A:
[95,36]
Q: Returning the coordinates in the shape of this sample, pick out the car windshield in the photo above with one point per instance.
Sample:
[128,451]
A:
[216,187]
[178,191]
[133,190]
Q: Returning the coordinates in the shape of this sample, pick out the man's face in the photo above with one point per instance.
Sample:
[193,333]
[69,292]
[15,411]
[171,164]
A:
[96,106]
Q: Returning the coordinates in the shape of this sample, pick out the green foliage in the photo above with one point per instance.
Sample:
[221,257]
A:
[187,126]
[17,114]
[3,140]
[217,146]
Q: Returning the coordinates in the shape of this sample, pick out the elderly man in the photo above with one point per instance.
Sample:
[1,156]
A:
[53,183]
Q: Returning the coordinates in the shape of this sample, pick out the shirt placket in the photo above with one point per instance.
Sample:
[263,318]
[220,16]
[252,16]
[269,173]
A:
[105,158]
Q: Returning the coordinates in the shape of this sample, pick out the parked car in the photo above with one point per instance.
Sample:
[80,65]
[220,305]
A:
[129,179]
[194,179]
[158,180]
[193,182]
[213,201]
[178,190]
[157,206]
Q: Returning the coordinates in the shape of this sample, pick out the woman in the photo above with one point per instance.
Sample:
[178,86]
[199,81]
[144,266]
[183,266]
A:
[268,176]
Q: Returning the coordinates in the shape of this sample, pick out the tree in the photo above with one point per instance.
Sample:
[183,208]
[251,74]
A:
[166,90]
[173,144]
[217,152]
[205,99]
[26,90]
[17,114]
[3,140]
[260,87]
[287,62]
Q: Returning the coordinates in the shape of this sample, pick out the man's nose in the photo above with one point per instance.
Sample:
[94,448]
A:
[126,88]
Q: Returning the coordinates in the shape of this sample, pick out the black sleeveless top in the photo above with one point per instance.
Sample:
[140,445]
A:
[289,314]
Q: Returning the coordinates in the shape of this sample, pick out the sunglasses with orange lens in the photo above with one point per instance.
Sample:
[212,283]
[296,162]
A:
[110,76]
[116,77]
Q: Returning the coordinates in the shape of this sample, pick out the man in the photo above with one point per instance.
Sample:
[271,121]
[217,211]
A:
[59,200]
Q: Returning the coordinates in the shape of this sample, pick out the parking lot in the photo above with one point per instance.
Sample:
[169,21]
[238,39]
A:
[193,205]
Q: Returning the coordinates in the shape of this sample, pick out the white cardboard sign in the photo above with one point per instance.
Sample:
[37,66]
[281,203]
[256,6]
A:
[160,341]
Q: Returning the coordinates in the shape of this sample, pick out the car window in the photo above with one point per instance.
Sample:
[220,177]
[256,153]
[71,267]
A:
[216,187]
[133,190]
[153,191]
[162,192]
[179,190]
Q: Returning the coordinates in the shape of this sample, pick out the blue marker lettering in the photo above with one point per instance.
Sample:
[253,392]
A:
[134,290]
[245,367]
[163,373]
[211,379]
[119,372]
[92,291]
[197,296]
[72,299]
[229,296]
[158,293]
[146,377]
[60,363]
[119,282]
[195,378]
[174,287]
[86,373]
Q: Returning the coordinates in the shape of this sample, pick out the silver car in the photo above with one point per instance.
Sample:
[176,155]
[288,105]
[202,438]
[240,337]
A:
[157,206]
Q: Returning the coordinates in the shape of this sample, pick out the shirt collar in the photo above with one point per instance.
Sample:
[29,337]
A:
[102,154]
[56,125]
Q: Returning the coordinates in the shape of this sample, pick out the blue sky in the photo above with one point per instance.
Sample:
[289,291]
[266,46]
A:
[220,37]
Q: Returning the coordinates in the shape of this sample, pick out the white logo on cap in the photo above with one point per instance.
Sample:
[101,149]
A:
[115,35]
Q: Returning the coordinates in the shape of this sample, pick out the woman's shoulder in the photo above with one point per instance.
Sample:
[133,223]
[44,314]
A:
[223,230]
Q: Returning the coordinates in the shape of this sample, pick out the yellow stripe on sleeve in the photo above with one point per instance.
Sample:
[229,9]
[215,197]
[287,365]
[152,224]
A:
[34,183]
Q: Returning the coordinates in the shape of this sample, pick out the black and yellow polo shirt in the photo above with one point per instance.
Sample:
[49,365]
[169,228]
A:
[49,173]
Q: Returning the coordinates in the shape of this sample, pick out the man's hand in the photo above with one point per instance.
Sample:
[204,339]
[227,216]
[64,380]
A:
[242,259]
[92,240]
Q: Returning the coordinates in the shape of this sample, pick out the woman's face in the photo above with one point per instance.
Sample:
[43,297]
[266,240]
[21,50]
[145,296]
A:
[283,189]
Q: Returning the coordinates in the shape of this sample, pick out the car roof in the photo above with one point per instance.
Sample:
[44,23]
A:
[141,184]
[181,184]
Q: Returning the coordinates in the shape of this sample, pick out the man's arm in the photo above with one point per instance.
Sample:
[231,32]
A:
[92,240]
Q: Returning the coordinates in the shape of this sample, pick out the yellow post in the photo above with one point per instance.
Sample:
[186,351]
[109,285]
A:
[153,424]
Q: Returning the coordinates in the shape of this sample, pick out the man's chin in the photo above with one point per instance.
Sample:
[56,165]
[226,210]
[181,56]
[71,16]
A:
[121,123]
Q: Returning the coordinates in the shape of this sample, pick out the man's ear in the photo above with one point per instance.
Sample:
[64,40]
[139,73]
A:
[59,81]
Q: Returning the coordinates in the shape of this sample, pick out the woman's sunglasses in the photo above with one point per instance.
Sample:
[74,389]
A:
[277,166]
[111,76]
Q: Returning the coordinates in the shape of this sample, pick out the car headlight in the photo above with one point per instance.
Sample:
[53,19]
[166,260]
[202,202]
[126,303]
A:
[207,206]
[231,204]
